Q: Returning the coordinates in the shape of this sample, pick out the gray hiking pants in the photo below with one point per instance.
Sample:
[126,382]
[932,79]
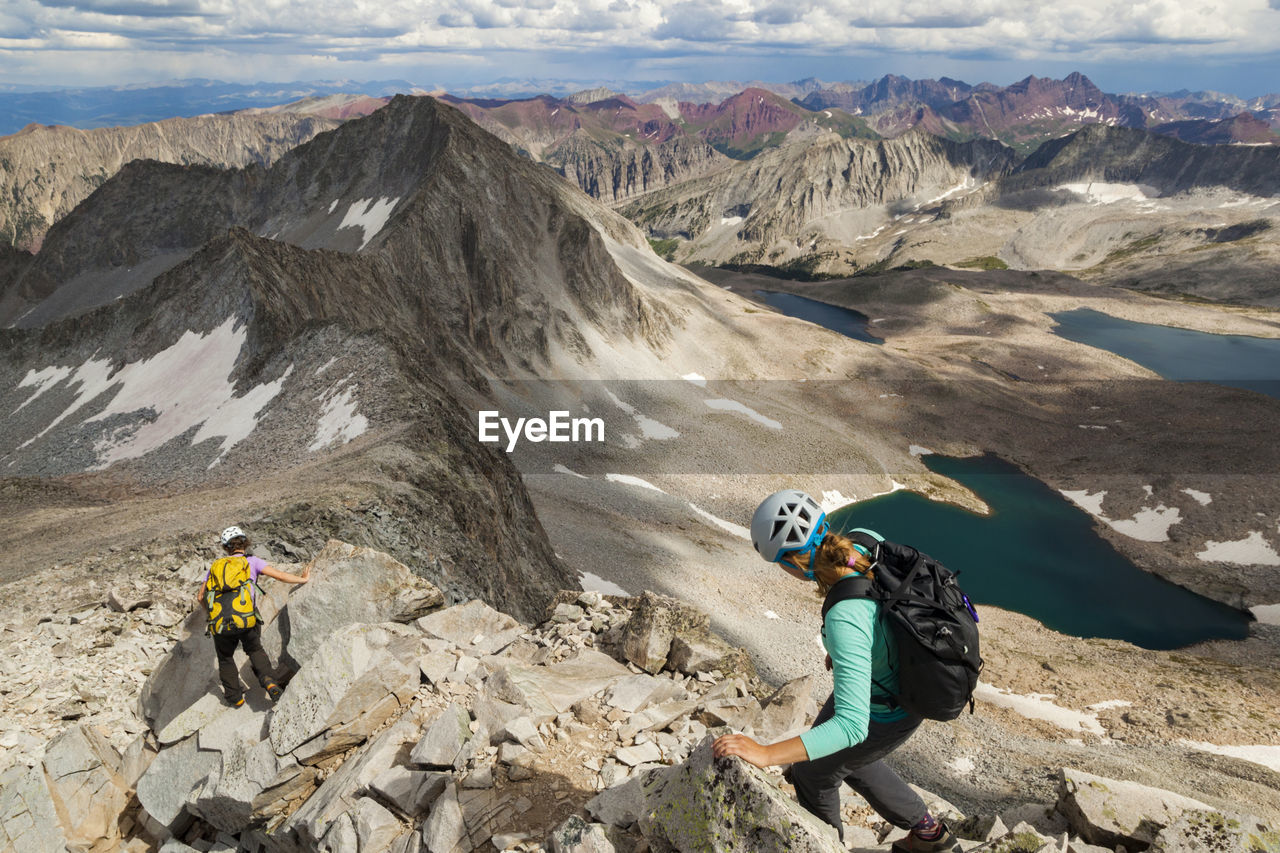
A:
[817,782]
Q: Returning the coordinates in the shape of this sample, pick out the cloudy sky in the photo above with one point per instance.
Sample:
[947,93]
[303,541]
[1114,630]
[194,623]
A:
[1124,45]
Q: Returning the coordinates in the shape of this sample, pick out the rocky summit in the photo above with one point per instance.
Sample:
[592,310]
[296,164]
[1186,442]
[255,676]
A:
[409,725]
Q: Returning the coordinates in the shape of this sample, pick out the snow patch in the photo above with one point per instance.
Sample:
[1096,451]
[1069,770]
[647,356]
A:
[339,422]
[833,500]
[730,220]
[696,378]
[560,469]
[736,529]
[595,583]
[1091,504]
[1036,706]
[627,479]
[1110,703]
[1102,192]
[322,368]
[1150,524]
[735,406]
[1253,550]
[370,218]
[1202,498]
[333,206]
[917,450]
[43,380]
[649,428]
[1266,755]
[184,386]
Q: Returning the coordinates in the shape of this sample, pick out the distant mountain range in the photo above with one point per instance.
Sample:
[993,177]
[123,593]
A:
[901,97]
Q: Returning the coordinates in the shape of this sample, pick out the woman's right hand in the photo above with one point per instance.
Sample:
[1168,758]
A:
[827,663]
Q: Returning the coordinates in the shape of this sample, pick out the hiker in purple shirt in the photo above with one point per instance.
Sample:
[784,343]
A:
[233,614]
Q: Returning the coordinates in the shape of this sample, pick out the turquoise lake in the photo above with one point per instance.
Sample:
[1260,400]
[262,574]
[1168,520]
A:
[1037,553]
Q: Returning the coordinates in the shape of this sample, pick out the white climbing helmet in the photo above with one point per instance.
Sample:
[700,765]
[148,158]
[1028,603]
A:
[787,521]
[231,534]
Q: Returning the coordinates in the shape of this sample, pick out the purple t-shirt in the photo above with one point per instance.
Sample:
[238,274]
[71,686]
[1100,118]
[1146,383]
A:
[256,565]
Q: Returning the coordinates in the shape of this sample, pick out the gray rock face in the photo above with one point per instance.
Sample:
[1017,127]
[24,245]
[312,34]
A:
[411,791]
[173,777]
[655,621]
[249,777]
[748,811]
[577,836]
[444,740]
[349,584]
[444,828]
[340,792]
[1108,812]
[787,711]
[358,677]
[1196,831]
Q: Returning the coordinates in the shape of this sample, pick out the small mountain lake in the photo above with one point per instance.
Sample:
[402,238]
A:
[1037,553]
[846,321]
[1181,354]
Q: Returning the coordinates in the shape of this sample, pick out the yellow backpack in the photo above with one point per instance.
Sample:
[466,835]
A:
[228,595]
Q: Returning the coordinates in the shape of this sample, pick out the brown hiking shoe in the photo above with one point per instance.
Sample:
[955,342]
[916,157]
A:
[912,843]
[273,691]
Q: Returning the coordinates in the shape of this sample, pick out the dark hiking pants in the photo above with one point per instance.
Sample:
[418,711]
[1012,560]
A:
[817,782]
[251,640]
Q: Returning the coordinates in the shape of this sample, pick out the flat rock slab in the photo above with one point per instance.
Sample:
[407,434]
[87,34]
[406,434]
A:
[727,806]
[28,818]
[83,771]
[473,627]
[552,690]
[637,692]
[204,711]
[1108,812]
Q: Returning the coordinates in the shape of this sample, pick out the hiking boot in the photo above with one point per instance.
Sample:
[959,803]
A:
[912,843]
[274,690]
[234,703]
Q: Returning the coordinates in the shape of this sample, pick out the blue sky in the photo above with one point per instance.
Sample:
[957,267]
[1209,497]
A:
[1230,45]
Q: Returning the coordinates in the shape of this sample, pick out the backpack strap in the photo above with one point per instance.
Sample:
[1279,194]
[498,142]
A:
[858,587]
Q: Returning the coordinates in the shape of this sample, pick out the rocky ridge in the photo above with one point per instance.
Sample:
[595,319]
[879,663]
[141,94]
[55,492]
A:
[409,726]
[814,196]
[46,171]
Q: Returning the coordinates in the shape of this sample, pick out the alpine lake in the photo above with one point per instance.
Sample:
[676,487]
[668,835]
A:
[1036,552]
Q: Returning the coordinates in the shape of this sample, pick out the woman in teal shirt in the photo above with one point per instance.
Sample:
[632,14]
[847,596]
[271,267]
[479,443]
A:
[859,724]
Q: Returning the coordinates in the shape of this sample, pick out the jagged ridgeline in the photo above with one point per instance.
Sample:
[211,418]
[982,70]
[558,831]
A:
[193,327]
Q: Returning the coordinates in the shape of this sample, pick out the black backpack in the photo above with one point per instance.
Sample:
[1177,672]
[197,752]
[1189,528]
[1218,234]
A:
[933,623]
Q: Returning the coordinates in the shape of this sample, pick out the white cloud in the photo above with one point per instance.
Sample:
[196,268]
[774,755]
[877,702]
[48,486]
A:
[239,37]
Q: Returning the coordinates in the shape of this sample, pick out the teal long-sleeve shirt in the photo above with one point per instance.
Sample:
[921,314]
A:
[860,651]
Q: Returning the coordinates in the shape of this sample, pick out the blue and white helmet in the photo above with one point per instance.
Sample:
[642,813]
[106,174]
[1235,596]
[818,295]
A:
[787,521]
